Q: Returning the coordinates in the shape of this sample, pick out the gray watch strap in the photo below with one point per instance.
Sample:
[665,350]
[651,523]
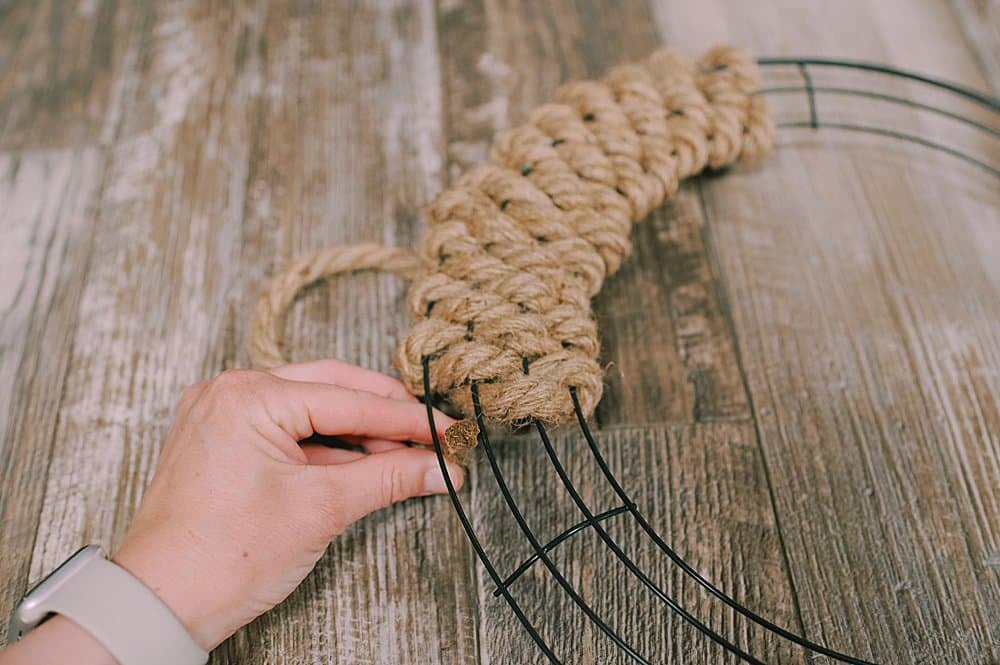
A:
[124,615]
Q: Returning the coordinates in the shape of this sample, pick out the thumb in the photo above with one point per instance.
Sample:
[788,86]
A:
[379,480]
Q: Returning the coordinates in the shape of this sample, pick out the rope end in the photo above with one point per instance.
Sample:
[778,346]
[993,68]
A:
[459,440]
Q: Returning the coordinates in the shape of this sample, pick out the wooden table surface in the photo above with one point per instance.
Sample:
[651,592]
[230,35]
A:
[804,382]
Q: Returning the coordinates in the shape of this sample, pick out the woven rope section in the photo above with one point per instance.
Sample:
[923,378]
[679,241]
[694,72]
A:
[516,249]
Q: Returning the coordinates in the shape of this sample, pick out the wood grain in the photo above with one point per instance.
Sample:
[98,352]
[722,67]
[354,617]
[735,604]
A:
[867,329]
[61,65]
[802,398]
[980,21]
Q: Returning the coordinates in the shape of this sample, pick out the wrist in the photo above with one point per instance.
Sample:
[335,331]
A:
[180,582]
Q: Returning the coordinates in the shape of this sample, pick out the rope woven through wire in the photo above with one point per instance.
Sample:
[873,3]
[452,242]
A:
[515,250]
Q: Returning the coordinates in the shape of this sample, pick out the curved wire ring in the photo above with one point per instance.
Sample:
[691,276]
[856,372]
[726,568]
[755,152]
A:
[593,520]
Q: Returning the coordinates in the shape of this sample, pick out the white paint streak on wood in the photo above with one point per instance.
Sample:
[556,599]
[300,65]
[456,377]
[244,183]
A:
[87,7]
[44,204]
[415,128]
[178,73]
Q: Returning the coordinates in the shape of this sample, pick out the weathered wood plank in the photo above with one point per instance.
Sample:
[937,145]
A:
[56,101]
[874,405]
[252,136]
[57,64]
[862,278]
[356,163]
[664,329]
[45,197]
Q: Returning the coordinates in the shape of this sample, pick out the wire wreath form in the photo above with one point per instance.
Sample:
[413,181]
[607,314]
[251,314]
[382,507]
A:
[592,518]
[473,432]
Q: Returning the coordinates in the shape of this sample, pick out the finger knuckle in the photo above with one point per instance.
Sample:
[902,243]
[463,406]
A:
[234,382]
[393,485]
[191,393]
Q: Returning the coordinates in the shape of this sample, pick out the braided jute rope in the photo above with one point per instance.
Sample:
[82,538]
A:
[515,250]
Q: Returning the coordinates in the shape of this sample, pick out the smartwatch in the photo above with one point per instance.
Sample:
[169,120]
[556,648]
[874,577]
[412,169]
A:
[118,610]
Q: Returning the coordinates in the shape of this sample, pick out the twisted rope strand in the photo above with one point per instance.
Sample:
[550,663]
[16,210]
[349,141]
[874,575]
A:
[516,249]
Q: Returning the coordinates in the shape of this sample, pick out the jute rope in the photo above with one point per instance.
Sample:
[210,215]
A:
[268,325]
[516,249]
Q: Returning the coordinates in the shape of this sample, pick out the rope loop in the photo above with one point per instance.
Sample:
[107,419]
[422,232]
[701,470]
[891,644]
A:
[267,328]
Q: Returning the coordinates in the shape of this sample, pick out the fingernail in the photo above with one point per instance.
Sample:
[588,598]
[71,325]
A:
[434,481]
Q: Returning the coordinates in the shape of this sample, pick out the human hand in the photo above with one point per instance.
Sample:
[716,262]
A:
[238,512]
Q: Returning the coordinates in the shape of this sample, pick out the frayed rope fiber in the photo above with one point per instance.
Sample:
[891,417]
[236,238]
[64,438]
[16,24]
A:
[515,250]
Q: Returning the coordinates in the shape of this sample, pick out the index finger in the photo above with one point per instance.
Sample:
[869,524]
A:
[340,373]
[302,408]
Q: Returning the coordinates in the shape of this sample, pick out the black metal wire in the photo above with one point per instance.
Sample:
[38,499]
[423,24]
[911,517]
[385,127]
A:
[467,525]
[814,122]
[811,92]
[973,95]
[624,558]
[484,440]
[992,170]
[684,566]
[558,540]
[628,505]
[868,94]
